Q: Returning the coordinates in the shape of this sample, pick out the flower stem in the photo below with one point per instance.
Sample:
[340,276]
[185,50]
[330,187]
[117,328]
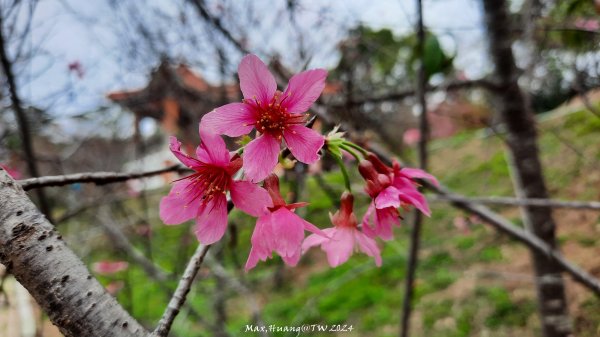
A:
[349,150]
[360,149]
[340,163]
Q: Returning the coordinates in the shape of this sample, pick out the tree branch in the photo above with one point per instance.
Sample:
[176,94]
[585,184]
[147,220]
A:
[55,277]
[508,201]
[415,235]
[179,297]
[98,178]
[21,117]
[120,241]
[523,236]
[410,92]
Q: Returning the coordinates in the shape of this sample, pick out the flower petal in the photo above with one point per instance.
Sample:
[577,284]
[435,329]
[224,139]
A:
[177,207]
[389,197]
[304,143]
[253,258]
[368,221]
[211,222]
[260,157]
[175,147]
[409,194]
[340,247]
[250,198]
[288,230]
[292,260]
[233,120]
[417,173]
[262,241]
[256,81]
[368,246]
[418,200]
[315,240]
[212,149]
[385,220]
[304,89]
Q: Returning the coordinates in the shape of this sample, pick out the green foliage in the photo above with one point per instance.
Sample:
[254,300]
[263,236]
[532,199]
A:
[436,61]
[504,310]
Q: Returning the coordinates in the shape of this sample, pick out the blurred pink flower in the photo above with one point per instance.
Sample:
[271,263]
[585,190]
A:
[461,224]
[14,173]
[587,24]
[279,230]
[390,188]
[77,68]
[109,267]
[202,194]
[114,287]
[344,238]
[274,114]
[411,136]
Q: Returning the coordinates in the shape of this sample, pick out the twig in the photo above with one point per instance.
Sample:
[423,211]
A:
[523,236]
[179,297]
[586,101]
[98,178]
[22,122]
[120,241]
[509,201]
[410,92]
[241,287]
[415,235]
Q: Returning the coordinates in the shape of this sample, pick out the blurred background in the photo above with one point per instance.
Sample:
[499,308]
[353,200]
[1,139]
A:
[102,84]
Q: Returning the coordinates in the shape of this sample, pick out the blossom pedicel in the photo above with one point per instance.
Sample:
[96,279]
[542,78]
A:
[274,114]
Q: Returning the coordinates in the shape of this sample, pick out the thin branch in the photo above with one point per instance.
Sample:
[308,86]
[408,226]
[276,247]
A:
[530,240]
[584,97]
[508,201]
[98,178]
[415,235]
[120,241]
[22,122]
[179,297]
[410,92]
[217,24]
[241,287]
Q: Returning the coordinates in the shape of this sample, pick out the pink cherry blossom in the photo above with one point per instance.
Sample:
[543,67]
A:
[202,195]
[345,237]
[279,230]
[390,188]
[109,267]
[274,114]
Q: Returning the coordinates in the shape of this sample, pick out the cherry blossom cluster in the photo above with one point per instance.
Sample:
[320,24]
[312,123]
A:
[246,175]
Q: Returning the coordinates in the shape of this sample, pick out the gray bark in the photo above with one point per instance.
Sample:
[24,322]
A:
[57,279]
[527,169]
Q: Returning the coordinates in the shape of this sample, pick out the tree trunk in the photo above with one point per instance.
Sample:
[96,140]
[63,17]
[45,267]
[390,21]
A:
[58,280]
[527,169]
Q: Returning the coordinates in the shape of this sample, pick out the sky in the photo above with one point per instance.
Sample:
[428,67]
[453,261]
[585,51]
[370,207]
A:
[91,33]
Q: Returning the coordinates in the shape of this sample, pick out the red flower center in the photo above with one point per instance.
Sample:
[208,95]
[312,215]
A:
[207,182]
[274,118]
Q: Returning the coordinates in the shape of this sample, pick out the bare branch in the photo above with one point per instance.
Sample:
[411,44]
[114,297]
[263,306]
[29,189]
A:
[523,236]
[119,240]
[508,201]
[98,178]
[410,92]
[21,117]
[179,297]
[415,235]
